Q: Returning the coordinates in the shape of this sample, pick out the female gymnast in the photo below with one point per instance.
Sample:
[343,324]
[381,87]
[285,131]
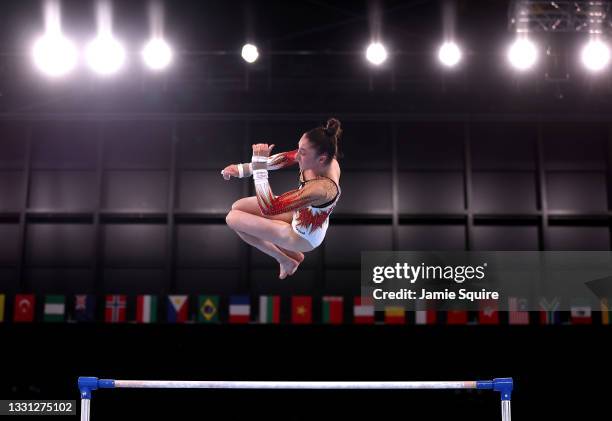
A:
[285,226]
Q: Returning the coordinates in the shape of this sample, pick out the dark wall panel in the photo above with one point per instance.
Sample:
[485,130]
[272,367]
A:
[503,146]
[11,187]
[504,192]
[212,145]
[577,192]
[343,282]
[50,244]
[60,281]
[496,238]
[13,137]
[9,244]
[366,147]
[63,190]
[365,193]
[578,238]
[9,280]
[431,192]
[137,145]
[64,145]
[147,190]
[431,237]
[211,246]
[209,281]
[341,253]
[207,191]
[133,281]
[574,146]
[127,245]
[435,145]
[266,282]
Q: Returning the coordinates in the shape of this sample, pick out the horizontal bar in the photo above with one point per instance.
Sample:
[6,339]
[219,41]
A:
[503,385]
[169,384]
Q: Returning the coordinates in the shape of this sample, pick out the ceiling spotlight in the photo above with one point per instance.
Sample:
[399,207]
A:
[54,54]
[157,54]
[522,54]
[449,54]
[250,53]
[595,55]
[376,53]
[105,55]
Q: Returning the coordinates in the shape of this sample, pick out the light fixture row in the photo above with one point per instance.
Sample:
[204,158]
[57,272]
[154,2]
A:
[56,55]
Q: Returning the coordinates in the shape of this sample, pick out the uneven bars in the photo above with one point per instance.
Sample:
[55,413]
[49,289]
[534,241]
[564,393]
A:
[86,385]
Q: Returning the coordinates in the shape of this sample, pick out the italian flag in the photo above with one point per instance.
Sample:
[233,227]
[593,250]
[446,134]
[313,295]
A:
[363,310]
[425,317]
[269,309]
[146,309]
[332,310]
[54,308]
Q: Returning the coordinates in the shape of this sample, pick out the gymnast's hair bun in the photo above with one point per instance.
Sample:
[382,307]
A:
[333,128]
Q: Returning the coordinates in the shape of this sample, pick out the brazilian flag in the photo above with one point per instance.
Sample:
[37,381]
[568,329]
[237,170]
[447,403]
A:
[208,309]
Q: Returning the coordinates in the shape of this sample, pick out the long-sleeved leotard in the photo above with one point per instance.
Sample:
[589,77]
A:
[281,160]
[269,204]
[274,162]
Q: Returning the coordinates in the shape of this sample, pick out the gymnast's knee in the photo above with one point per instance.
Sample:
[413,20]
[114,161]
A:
[230,218]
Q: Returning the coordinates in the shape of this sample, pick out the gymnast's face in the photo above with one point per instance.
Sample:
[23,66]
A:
[307,155]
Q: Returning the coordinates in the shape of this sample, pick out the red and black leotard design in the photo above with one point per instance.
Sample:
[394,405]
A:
[286,202]
[282,160]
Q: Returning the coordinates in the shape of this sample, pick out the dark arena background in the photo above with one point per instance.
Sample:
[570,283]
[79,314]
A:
[111,198]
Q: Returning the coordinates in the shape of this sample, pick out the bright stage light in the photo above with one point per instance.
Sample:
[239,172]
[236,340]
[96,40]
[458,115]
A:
[595,55]
[249,53]
[522,54]
[376,53]
[105,55]
[449,54]
[54,55]
[157,54]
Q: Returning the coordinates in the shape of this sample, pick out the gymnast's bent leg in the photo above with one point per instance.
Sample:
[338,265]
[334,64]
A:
[249,205]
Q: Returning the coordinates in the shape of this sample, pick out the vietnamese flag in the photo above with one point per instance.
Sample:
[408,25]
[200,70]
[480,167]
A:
[301,309]
[332,310]
[24,308]
[456,317]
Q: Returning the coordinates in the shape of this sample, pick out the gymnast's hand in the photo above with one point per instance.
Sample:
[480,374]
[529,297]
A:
[230,171]
[262,149]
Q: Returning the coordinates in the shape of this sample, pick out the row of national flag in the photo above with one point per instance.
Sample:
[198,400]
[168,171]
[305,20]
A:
[266,309]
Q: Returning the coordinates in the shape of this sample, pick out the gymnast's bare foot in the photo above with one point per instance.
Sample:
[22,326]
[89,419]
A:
[287,267]
[298,256]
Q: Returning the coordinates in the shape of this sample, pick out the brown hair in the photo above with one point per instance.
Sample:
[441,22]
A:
[325,139]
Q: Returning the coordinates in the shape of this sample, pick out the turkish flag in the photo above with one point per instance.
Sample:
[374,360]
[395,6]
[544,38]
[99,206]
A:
[24,308]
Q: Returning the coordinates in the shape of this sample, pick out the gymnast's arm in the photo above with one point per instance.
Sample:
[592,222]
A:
[274,162]
[269,204]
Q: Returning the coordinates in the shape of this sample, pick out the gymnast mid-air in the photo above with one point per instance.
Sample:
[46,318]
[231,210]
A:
[295,222]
